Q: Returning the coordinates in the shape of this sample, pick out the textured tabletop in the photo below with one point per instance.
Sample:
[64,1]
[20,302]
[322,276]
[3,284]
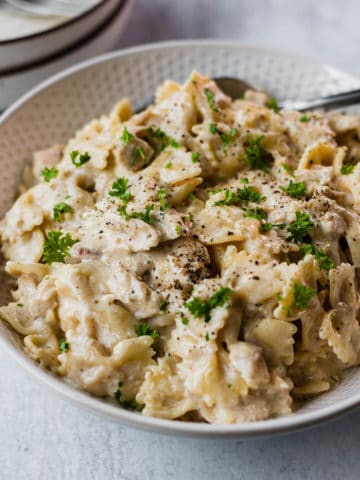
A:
[43,437]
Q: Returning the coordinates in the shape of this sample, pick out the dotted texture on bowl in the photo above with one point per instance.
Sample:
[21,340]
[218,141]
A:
[52,115]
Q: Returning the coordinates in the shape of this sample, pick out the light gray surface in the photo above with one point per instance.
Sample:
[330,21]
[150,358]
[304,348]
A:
[42,437]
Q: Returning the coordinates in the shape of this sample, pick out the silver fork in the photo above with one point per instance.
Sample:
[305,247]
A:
[64,8]
[235,89]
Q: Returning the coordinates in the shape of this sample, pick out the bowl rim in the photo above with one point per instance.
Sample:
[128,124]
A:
[262,428]
[86,13]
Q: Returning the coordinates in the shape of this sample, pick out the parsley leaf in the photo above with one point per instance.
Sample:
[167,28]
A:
[60,209]
[273,104]
[300,228]
[304,118]
[145,329]
[257,213]
[137,153]
[325,262]
[64,346]
[255,155]
[56,247]
[49,173]
[288,169]
[202,309]
[126,137]
[128,404]
[162,194]
[212,128]
[144,216]
[120,189]
[195,157]
[302,295]
[225,138]
[169,165]
[210,97]
[295,189]
[179,229]
[131,405]
[347,169]
[240,196]
[266,227]
[163,305]
[165,141]
[79,159]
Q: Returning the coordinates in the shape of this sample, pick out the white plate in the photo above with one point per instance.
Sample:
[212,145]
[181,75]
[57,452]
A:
[23,50]
[53,111]
[15,84]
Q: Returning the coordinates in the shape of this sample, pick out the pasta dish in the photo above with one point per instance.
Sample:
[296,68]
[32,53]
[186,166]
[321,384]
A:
[194,261]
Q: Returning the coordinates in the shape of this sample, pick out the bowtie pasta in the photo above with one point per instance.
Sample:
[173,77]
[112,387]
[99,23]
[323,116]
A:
[195,261]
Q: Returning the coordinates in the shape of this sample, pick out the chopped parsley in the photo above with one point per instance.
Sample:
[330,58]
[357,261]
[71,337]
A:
[199,309]
[20,305]
[273,104]
[131,405]
[300,228]
[295,189]
[64,346]
[288,169]
[163,305]
[257,213]
[244,180]
[212,128]
[146,329]
[210,97]
[195,157]
[185,320]
[79,159]
[207,337]
[347,169]
[266,227]
[117,394]
[179,229]
[169,165]
[226,138]
[128,404]
[120,189]
[126,137]
[324,261]
[56,247]
[256,156]
[162,194]
[137,153]
[240,197]
[144,216]
[49,173]
[165,141]
[60,209]
[302,295]
[304,118]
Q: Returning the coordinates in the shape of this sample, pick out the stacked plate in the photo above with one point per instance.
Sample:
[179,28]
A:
[34,45]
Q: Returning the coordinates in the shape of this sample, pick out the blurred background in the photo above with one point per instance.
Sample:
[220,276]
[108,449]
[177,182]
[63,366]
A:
[43,437]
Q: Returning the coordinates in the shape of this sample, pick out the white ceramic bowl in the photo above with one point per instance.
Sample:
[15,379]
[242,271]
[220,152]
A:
[14,84]
[24,50]
[54,110]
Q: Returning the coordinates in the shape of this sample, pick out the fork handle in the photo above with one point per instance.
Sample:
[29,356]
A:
[329,102]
